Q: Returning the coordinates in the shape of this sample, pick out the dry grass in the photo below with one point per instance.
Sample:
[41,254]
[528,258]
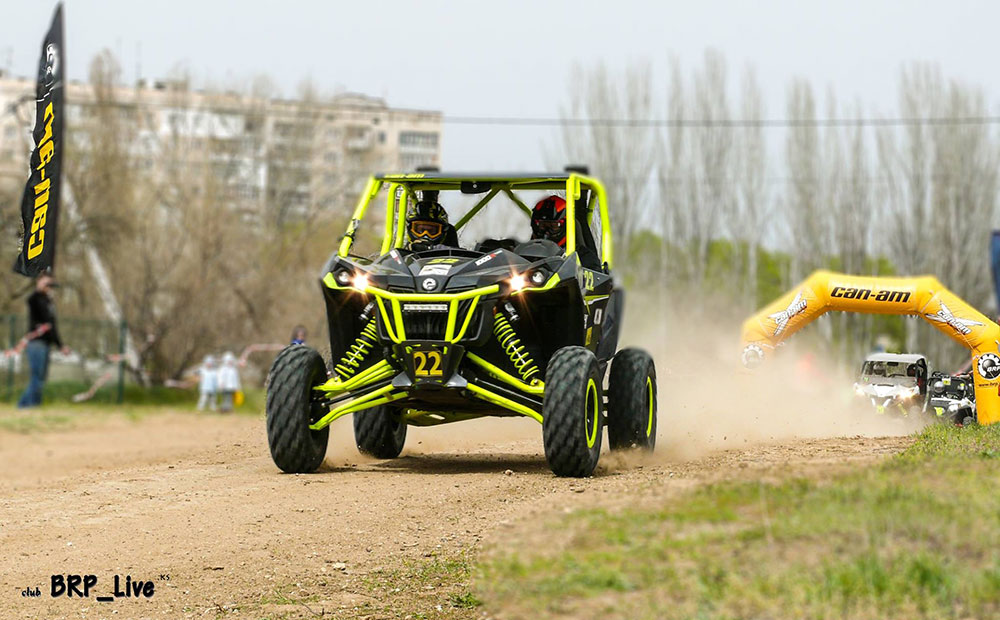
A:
[915,536]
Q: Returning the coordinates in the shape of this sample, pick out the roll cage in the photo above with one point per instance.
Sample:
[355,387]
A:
[403,188]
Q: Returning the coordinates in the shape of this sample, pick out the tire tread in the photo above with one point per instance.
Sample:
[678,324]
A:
[295,448]
[565,401]
[627,413]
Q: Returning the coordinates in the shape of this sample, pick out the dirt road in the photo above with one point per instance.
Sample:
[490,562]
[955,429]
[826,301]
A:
[197,507]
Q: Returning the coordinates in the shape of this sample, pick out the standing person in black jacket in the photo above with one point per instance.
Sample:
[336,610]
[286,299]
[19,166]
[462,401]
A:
[42,334]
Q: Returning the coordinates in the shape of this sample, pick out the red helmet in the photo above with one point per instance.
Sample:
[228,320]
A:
[548,220]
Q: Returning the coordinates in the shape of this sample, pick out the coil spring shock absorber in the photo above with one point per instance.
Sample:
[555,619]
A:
[512,346]
[358,351]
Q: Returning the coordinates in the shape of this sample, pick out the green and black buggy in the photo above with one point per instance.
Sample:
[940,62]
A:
[510,327]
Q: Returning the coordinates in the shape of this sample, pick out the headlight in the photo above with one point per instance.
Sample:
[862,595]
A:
[343,277]
[360,282]
[860,391]
[520,281]
[953,407]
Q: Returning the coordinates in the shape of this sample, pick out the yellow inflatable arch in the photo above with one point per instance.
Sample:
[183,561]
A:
[923,296]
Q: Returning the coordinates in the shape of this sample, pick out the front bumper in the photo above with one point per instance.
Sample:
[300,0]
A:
[459,385]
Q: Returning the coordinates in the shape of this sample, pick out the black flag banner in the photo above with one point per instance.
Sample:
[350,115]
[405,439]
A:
[40,205]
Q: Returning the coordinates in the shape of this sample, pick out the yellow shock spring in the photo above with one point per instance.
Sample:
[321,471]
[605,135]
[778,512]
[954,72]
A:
[355,355]
[512,346]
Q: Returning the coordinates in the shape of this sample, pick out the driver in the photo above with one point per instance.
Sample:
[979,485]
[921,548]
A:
[427,226]
[548,221]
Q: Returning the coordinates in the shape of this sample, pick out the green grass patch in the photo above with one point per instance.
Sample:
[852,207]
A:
[61,392]
[420,586]
[59,412]
[30,422]
[61,415]
[916,536]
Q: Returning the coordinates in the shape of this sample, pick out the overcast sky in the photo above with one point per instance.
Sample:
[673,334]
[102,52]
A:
[513,58]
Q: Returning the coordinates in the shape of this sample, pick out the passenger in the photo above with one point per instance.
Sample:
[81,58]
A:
[427,226]
[548,221]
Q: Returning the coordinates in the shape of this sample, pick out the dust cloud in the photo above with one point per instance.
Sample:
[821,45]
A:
[707,401]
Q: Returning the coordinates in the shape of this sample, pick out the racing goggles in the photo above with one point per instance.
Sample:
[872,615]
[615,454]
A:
[551,229]
[424,229]
[551,226]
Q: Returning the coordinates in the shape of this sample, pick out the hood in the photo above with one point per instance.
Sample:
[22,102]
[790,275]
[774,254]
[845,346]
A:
[885,390]
[445,270]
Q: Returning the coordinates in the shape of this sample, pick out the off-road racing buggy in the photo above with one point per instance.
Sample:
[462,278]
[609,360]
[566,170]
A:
[952,398]
[507,327]
[896,383]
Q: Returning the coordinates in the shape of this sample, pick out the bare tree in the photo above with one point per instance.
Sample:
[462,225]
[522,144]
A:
[848,182]
[713,157]
[753,217]
[941,187]
[697,168]
[624,156]
[803,200]
[675,220]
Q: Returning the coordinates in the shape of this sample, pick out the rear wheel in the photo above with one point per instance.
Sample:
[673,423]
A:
[632,401]
[292,405]
[572,412]
[380,431]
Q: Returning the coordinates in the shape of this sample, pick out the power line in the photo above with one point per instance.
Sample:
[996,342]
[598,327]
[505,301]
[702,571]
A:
[721,123]
[274,110]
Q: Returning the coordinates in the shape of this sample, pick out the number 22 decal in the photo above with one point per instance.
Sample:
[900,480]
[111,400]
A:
[420,360]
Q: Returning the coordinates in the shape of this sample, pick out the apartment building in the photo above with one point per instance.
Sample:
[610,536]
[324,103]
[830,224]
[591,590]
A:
[272,158]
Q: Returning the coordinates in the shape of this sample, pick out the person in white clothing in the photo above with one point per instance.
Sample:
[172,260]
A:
[208,384]
[229,381]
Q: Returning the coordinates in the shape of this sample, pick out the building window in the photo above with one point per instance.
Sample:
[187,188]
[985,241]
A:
[409,161]
[249,192]
[284,129]
[425,139]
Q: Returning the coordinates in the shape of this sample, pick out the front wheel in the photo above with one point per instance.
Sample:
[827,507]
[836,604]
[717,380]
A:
[380,432]
[572,412]
[292,405]
[632,401]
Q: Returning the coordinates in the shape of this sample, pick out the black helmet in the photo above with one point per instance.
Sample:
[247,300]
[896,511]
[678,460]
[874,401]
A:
[426,223]
[548,220]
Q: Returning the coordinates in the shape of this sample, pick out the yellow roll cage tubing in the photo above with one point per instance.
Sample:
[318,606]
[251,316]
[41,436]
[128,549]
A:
[923,296]
[403,187]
